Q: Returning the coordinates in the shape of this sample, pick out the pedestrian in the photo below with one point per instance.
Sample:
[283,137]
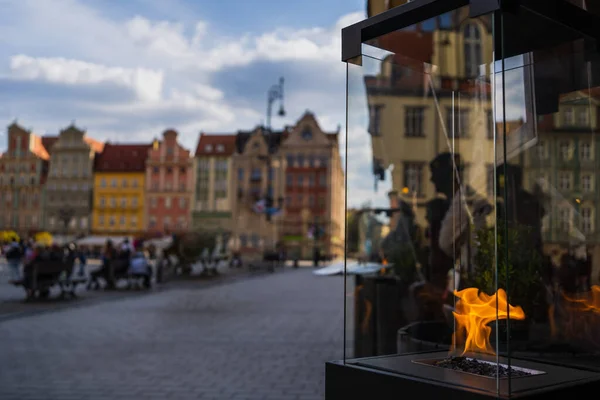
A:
[82,262]
[13,258]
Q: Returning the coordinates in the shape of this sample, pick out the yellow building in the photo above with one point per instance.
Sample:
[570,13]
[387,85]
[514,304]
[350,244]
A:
[119,187]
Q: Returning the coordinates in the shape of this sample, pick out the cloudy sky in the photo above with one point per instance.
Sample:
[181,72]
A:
[126,70]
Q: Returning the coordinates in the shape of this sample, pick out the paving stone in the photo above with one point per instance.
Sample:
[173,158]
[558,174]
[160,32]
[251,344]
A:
[264,338]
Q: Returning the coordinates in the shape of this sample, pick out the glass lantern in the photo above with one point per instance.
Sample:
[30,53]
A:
[476,268]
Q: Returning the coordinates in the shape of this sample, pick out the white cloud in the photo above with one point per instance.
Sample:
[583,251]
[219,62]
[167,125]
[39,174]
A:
[146,84]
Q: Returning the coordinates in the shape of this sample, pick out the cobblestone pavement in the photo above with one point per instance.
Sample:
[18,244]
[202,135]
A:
[265,338]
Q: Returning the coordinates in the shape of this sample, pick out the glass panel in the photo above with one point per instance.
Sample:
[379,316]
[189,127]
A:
[547,195]
[421,275]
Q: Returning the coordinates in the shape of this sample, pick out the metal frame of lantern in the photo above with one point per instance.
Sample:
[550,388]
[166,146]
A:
[387,377]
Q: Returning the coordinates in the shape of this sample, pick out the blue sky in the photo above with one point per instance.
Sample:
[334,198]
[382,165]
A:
[127,70]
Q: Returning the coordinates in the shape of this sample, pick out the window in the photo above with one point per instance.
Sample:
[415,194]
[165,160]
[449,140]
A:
[490,124]
[564,219]
[208,148]
[102,182]
[565,150]
[113,183]
[472,49]
[300,160]
[311,200]
[123,202]
[290,160]
[300,179]
[182,203]
[457,122]
[564,181]
[569,116]
[583,117]
[542,150]
[113,202]
[133,221]
[166,222]
[134,202]
[153,202]
[155,170]
[255,240]
[167,202]
[220,148]
[180,222]
[375,119]
[321,202]
[322,180]
[256,174]
[134,183]
[169,170]
[102,201]
[243,240]
[122,220]
[311,161]
[111,220]
[587,183]
[413,121]
[311,180]
[587,221]
[413,177]
[152,222]
[585,151]
[289,180]
[124,183]
[240,174]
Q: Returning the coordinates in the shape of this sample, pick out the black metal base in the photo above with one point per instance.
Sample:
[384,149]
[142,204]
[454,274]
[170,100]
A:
[393,377]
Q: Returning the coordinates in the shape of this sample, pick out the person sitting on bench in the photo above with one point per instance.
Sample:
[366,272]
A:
[139,266]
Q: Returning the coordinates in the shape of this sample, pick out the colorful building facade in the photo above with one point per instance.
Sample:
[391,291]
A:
[212,205]
[169,185]
[23,172]
[119,190]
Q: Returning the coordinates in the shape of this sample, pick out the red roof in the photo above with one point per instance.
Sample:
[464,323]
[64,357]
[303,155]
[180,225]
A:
[215,145]
[122,158]
[48,142]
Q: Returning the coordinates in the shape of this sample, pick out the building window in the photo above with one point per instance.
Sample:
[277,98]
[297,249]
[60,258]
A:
[180,223]
[583,117]
[111,220]
[300,160]
[311,180]
[208,148]
[123,202]
[243,240]
[103,182]
[472,48]
[311,161]
[124,183]
[102,201]
[133,221]
[569,116]
[587,219]
[413,121]
[241,174]
[413,178]
[100,220]
[311,200]
[322,180]
[564,181]
[585,151]
[289,180]
[375,119]
[457,122]
[122,220]
[153,202]
[290,160]
[155,170]
[490,124]
[167,223]
[152,222]
[542,150]
[300,179]
[182,203]
[220,148]
[134,202]
[134,183]
[564,219]
[167,202]
[587,183]
[321,202]
[565,150]
[113,183]
[255,240]
[113,202]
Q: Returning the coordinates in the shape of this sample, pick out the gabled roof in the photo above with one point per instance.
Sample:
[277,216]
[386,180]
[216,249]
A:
[122,158]
[227,140]
[272,139]
[96,145]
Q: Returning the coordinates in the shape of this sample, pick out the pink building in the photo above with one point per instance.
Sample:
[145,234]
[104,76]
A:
[169,185]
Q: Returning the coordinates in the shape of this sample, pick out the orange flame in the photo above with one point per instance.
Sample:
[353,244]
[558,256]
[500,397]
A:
[474,311]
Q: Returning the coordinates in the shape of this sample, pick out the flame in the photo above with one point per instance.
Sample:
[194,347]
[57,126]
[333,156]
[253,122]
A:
[474,311]
[577,317]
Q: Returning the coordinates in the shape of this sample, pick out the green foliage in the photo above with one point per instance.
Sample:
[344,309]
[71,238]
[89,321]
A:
[402,257]
[518,274]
